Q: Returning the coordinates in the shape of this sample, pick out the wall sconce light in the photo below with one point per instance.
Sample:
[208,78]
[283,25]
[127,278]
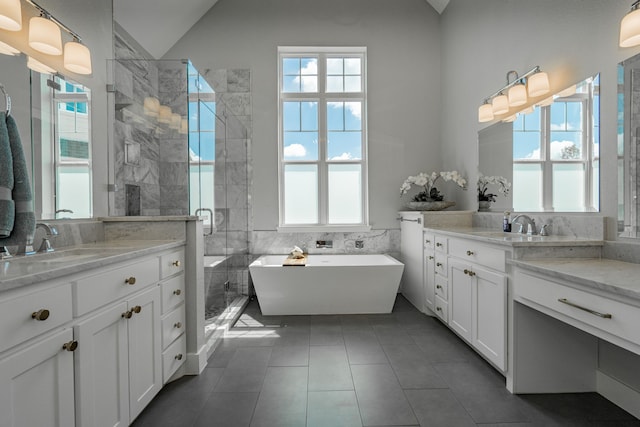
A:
[534,83]
[35,65]
[6,49]
[10,15]
[45,36]
[630,27]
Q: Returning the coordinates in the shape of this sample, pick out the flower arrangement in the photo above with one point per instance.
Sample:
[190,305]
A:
[429,192]
[484,181]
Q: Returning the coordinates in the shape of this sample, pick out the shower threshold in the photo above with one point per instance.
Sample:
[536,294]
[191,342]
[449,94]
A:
[215,328]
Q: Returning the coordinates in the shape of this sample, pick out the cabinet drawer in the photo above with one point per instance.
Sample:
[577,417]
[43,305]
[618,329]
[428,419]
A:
[478,253]
[441,264]
[173,357]
[95,291]
[442,244]
[442,286]
[442,309]
[173,325]
[429,240]
[172,292]
[20,315]
[624,318]
[172,263]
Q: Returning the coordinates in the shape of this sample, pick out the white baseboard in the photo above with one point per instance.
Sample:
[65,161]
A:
[196,362]
[618,393]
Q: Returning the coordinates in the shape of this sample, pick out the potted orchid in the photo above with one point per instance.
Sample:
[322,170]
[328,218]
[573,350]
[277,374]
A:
[429,198]
[484,197]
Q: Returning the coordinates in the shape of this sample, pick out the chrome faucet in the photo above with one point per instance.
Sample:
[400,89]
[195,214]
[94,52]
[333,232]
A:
[49,230]
[527,225]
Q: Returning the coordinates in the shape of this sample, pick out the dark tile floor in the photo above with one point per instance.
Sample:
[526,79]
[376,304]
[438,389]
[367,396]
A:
[400,369]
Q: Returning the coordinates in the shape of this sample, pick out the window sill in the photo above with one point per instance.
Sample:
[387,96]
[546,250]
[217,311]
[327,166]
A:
[323,228]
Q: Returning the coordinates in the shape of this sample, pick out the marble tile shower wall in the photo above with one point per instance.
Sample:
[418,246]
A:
[148,155]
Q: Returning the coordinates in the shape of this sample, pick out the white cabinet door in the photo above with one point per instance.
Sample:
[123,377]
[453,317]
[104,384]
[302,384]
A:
[490,309]
[429,280]
[145,349]
[411,251]
[102,369]
[36,384]
[460,299]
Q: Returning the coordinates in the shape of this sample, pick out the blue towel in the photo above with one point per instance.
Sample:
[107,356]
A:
[25,222]
[7,206]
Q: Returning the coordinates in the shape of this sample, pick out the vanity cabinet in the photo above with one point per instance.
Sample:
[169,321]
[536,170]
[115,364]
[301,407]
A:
[411,253]
[429,272]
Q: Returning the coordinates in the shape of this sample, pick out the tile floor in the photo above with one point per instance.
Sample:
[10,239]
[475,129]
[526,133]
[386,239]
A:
[399,369]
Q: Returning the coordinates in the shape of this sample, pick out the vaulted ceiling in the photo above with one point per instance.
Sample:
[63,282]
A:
[158,24]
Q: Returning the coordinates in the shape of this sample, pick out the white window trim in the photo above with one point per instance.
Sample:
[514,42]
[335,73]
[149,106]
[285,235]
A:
[322,98]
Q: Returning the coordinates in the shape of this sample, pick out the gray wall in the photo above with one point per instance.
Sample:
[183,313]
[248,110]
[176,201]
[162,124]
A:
[569,39]
[403,41]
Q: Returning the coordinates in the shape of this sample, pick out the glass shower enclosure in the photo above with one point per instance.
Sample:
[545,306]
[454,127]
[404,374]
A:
[180,150]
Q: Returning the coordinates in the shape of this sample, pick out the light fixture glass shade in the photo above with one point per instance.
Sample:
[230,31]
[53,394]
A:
[528,110]
[10,15]
[164,114]
[485,113]
[77,58]
[571,90]
[500,104]
[510,119]
[151,106]
[517,95]
[6,49]
[630,29]
[44,36]
[545,102]
[538,84]
[38,66]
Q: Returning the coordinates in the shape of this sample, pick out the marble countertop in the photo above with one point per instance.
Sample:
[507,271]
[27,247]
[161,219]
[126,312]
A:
[617,277]
[26,270]
[148,218]
[488,235]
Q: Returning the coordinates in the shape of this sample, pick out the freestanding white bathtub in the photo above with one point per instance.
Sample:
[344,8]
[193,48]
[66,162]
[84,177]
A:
[327,284]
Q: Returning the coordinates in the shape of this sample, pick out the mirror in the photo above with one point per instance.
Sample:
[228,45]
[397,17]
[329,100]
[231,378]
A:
[53,116]
[550,154]
[628,145]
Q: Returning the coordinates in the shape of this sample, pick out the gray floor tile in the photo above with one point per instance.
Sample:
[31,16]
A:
[326,335]
[286,380]
[292,336]
[333,408]
[329,369]
[297,355]
[250,357]
[438,408]
[380,398]
[365,353]
[491,405]
[466,375]
[227,410]
[280,410]
[412,368]
[221,357]
[443,346]
[392,334]
[245,379]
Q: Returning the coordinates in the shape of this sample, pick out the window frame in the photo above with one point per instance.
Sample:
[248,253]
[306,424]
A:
[323,163]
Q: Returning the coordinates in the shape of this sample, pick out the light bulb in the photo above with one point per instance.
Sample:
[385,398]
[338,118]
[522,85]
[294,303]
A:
[500,104]
[485,113]
[77,58]
[630,29]
[39,67]
[538,84]
[10,15]
[44,36]
[517,95]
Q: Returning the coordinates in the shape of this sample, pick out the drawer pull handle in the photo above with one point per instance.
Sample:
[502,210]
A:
[588,310]
[137,309]
[42,314]
[438,287]
[469,253]
[438,309]
[130,281]
[127,314]
[70,346]
[439,245]
[177,325]
[469,272]
[178,356]
[177,292]
[427,241]
[430,256]
[176,263]
[438,264]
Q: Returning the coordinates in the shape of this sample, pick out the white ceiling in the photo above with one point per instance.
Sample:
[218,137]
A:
[158,24]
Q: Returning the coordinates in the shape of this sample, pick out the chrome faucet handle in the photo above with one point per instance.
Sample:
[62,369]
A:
[544,231]
[50,230]
[45,246]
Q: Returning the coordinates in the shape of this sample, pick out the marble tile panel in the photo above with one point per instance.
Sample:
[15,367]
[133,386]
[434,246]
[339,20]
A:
[236,174]
[238,219]
[622,251]
[237,104]
[160,230]
[74,232]
[217,79]
[178,102]
[238,80]
[149,197]
[142,88]
[172,77]
[590,226]
[123,79]
[235,150]
[174,150]
[174,211]
[174,196]
[149,147]
[174,173]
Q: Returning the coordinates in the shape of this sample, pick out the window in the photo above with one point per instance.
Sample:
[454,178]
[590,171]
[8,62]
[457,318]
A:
[556,154]
[322,137]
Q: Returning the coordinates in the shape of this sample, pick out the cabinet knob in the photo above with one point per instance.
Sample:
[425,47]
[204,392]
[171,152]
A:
[469,253]
[466,271]
[177,292]
[70,346]
[438,264]
[137,309]
[176,263]
[427,241]
[42,314]
[177,325]
[430,256]
[178,356]
[438,309]
[438,287]
[469,272]
[127,314]
[130,281]
[439,245]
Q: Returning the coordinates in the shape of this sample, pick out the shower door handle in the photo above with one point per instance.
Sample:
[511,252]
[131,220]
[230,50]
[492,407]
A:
[210,219]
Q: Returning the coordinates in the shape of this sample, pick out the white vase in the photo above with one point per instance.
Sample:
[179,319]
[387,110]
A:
[430,206]
[484,205]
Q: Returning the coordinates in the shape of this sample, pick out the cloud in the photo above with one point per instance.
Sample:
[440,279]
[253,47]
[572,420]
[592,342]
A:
[343,156]
[295,150]
[193,156]
[310,69]
[355,108]
[556,150]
